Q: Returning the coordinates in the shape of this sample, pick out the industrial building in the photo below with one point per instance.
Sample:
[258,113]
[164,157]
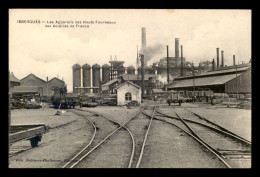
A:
[26,93]
[46,87]
[233,79]
[13,82]
[127,92]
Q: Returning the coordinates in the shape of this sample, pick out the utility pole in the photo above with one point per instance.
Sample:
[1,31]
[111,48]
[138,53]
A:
[168,75]
[142,71]
[236,83]
[181,62]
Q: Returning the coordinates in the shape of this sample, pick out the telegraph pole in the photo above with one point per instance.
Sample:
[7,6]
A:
[168,75]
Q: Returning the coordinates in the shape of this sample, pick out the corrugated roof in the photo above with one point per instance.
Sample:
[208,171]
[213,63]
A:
[203,81]
[158,91]
[128,83]
[233,70]
[12,78]
[110,82]
[25,89]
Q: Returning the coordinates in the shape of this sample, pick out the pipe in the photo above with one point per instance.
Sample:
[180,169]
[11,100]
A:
[234,60]
[168,72]
[181,61]
[222,58]
[217,57]
[176,48]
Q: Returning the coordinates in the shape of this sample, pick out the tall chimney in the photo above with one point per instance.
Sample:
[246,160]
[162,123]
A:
[222,58]
[168,76]
[176,48]
[213,65]
[181,61]
[234,60]
[217,57]
[144,44]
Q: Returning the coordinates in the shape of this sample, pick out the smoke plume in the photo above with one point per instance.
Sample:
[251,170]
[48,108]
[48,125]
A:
[152,51]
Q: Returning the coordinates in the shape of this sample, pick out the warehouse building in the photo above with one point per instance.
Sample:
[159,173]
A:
[235,79]
[27,93]
[13,82]
[45,86]
[127,92]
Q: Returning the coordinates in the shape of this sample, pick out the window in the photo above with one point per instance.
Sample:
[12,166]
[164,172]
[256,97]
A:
[128,96]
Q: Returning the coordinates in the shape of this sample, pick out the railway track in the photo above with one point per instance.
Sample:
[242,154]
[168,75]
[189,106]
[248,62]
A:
[92,146]
[219,141]
[15,150]
[87,150]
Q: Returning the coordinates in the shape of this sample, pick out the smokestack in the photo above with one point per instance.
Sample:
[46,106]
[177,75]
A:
[234,60]
[181,61]
[176,48]
[213,65]
[142,72]
[222,58]
[144,44]
[217,57]
[168,76]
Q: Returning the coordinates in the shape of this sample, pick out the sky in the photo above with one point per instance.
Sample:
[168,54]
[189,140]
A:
[52,51]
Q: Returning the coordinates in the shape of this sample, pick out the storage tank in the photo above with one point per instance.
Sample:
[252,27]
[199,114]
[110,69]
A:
[86,76]
[130,70]
[76,76]
[96,77]
[105,73]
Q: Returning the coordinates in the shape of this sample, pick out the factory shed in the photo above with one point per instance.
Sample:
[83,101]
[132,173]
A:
[127,92]
[26,89]
[158,92]
[27,92]
[13,82]
[109,87]
[231,80]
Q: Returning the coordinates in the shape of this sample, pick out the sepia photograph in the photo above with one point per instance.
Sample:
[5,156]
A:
[129,88]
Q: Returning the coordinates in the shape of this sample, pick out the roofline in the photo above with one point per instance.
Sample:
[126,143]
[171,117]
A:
[129,83]
[209,74]
[34,76]
[55,78]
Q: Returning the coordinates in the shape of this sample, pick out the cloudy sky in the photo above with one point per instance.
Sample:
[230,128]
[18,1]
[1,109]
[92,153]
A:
[34,48]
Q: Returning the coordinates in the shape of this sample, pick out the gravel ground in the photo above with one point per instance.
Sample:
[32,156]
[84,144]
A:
[235,120]
[113,153]
[56,145]
[40,116]
[117,113]
[168,147]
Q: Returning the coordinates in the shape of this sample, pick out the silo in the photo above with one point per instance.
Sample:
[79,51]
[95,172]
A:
[96,77]
[86,76]
[130,70]
[76,76]
[105,73]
